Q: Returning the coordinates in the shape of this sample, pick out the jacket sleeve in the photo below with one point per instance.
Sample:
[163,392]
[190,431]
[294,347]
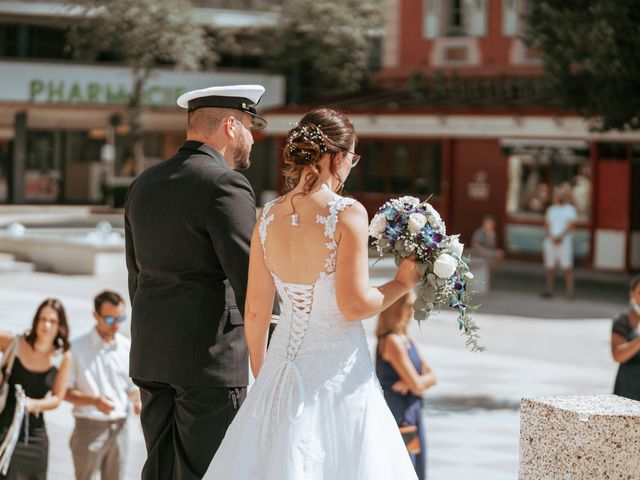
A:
[230,219]
[130,254]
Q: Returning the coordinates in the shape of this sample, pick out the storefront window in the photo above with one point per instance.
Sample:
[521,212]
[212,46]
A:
[397,167]
[42,176]
[82,148]
[401,174]
[372,166]
[427,181]
[153,144]
[535,174]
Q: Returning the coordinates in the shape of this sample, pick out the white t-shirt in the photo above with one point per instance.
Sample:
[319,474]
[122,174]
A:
[559,216]
[100,368]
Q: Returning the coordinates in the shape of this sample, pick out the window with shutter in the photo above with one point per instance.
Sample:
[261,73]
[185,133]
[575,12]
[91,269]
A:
[432,18]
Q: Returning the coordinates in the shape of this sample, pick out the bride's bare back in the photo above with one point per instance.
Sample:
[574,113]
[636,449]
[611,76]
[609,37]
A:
[301,249]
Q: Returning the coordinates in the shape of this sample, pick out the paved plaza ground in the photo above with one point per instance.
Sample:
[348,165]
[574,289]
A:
[534,347]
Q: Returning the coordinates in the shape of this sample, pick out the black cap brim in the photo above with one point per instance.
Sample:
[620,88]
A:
[237,103]
[258,123]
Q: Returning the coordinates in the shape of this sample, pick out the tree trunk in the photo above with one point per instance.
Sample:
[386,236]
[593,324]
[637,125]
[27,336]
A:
[135,118]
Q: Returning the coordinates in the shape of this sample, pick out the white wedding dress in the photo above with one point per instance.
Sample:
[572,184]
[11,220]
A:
[316,410]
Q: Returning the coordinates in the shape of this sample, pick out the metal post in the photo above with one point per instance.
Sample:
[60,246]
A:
[19,158]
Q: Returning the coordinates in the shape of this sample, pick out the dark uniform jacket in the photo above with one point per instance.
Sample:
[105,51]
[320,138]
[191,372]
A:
[188,225]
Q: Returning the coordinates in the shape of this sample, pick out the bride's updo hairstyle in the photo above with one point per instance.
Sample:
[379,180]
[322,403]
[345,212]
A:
[320,131]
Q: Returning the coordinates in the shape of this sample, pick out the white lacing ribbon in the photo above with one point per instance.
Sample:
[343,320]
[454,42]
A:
[278,382]
[301,298]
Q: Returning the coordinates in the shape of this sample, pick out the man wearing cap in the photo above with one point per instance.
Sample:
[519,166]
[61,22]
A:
[188,225]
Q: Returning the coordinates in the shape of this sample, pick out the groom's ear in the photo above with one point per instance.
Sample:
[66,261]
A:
[230,127]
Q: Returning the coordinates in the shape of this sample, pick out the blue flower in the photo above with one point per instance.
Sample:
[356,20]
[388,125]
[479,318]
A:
[432,239]
[390,213]
[393,232]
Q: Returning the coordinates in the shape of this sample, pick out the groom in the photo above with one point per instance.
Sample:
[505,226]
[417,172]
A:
[188,224]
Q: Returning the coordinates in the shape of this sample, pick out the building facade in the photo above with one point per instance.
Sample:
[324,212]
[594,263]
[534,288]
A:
[461,115]
[63,126]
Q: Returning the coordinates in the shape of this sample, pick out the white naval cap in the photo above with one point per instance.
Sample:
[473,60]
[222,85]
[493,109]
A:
[240,97]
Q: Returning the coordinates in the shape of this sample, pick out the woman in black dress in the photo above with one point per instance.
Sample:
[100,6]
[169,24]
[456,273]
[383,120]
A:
[41,367]
[625,346]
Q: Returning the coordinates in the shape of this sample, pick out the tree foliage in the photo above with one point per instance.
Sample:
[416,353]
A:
[144,34]
[324,47]
[591,54]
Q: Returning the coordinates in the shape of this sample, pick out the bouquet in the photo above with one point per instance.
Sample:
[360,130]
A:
[405,227]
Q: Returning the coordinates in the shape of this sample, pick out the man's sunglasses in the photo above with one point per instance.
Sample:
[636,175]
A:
[110,320]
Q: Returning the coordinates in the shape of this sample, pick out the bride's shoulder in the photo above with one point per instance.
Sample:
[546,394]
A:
[355,216]
[267,206]
[349,205]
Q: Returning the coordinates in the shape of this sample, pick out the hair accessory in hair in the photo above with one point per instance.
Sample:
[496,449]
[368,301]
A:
[306,133]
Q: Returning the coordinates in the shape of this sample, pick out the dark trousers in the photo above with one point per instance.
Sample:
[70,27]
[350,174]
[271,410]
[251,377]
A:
[183,427]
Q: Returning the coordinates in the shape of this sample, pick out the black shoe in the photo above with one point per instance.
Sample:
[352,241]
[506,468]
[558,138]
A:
[546,295]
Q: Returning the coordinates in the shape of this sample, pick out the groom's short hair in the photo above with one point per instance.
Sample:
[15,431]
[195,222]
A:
[208,120]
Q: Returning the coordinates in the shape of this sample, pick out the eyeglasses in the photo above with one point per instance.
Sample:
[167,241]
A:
[355,158]
[110,320]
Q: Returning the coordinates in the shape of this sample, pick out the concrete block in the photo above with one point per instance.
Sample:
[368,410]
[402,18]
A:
[579,437]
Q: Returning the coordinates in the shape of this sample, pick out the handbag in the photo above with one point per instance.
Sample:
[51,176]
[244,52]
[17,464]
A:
[12,435]
[6,366]
[411,439]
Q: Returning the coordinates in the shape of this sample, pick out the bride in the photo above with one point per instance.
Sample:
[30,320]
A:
[316,410]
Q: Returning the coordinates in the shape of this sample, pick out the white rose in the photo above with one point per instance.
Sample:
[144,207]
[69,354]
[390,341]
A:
[410,200]
[435,219]
[445,266]
[417,221]
[468,275]
[378,225]
[455,246]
